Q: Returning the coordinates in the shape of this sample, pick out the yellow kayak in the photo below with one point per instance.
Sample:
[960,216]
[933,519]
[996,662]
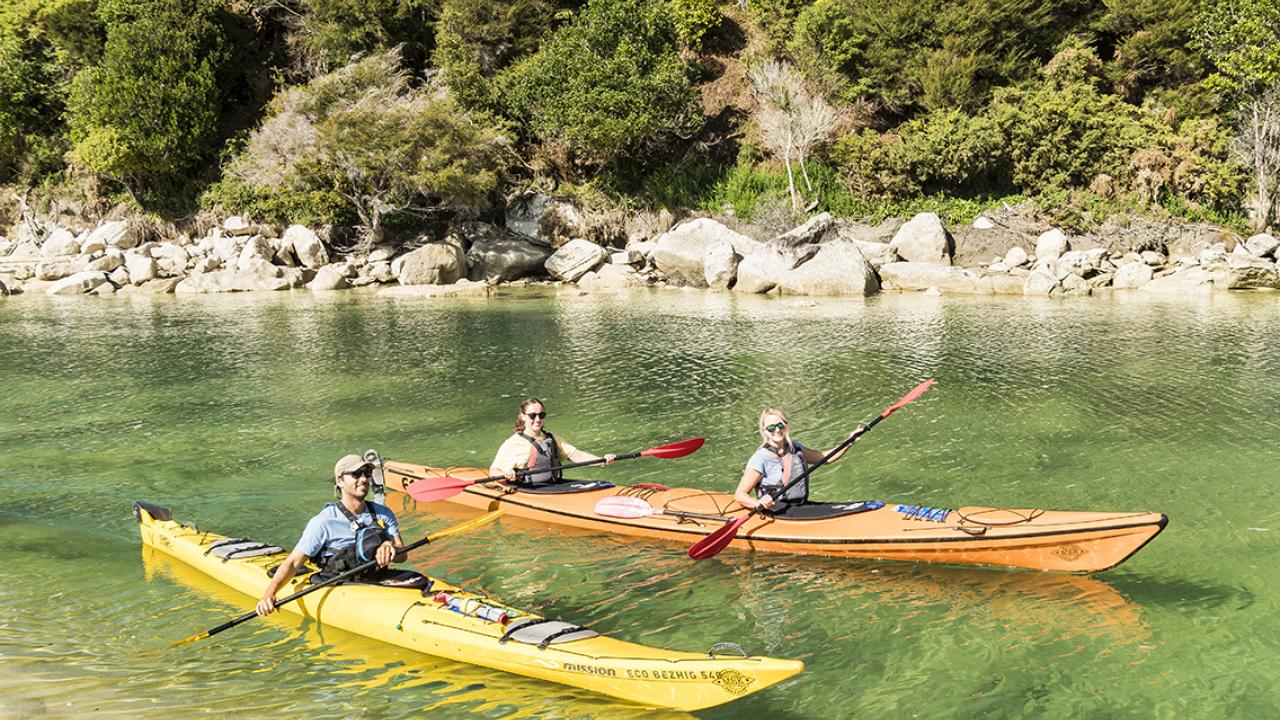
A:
[485,633]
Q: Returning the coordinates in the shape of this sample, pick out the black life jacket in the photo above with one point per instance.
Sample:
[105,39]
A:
[541,456]
[363,550]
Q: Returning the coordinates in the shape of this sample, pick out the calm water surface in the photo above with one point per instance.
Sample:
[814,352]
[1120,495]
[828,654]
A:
[232,410]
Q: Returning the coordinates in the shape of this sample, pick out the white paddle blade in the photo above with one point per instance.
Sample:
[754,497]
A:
[622,506]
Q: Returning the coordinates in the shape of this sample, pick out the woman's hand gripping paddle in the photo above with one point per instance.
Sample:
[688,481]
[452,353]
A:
[711,545]
[433,489]
[454,530]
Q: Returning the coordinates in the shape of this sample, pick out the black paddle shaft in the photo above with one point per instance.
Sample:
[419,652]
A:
[335,579]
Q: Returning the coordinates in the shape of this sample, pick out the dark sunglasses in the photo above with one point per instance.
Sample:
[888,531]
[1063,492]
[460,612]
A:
[364,472]
[536,416]
[776,427]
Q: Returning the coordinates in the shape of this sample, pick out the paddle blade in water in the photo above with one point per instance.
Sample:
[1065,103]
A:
[675,450]
[916,392]
[622,506]
[711,545]
[433,489]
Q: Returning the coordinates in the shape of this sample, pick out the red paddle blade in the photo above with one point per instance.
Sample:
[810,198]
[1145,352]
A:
[916,392]
[711,545]
[433,489]
[674,450]
[622,506]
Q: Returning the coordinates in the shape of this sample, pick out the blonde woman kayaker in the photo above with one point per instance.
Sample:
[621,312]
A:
[532,447]
[775,463]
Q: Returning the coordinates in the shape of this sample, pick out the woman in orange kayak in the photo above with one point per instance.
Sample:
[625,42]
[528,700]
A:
[531,447]
[775,463]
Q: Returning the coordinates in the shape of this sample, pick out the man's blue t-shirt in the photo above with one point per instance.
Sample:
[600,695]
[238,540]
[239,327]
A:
[330,530]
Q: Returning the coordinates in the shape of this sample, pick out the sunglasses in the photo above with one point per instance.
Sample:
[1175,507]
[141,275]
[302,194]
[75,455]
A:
[776,427]
[364,472]
[536,416]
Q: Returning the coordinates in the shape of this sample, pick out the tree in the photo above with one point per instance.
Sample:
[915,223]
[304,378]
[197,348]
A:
[793,121]
[368,135]
[610,83]
[478,38]
[149,111]
[1242,40]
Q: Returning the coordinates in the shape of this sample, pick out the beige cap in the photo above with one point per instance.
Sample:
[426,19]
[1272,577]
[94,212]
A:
[349,463]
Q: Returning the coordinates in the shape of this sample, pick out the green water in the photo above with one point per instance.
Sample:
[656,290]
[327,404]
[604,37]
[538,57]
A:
[232,410]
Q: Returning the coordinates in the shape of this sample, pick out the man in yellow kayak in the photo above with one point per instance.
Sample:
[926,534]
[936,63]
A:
[344,535]
[531,447]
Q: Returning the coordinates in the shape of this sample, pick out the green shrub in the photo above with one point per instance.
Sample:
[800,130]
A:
[150,110]
[334,32]
[363,141]
[478,38]
[693,19]
[949,151]
[609,83]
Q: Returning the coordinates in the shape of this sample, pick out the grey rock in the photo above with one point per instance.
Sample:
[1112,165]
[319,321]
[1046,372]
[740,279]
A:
[1253,278]
[238,226]
[54,269]
[1132,275]
[1052,244]
[720,265]
[1192,281]
[462,288]
[502,256]
[330,277]
[761,271]
[119,233]
[813,230]
[1262,245]
[575,259]
[837,269]
[680,253]
[60,242]
[877,253]
[1153,258]
[924,239]
[78,284]
[923,276]
[141,268]
[549,220]
[106,263]
[612,277]
[307,247]
[1016,257]
[432,264]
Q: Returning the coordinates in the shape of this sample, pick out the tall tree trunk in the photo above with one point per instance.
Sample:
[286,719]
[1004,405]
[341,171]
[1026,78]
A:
[791,178]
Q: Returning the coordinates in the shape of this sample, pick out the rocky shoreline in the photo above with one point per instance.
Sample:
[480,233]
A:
[1005,251]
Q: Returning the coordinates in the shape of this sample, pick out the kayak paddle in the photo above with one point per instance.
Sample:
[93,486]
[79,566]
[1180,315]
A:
[711,545]
[631,507]
[459,528]
[432,489]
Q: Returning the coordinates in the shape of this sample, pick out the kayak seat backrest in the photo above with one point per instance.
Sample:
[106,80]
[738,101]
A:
[543,632]
[238,548]
[575,486]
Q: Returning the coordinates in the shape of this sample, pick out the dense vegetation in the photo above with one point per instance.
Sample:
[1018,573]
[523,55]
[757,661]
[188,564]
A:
[383,113]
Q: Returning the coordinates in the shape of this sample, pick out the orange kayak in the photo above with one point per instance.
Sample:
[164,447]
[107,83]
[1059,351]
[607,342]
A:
[1025,538]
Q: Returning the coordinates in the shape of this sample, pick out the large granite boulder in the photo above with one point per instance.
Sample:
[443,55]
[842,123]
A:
[78,284]
[141,268]
[813,230]
[330,277]
[882,233]
[61,242]
[575,259]
[924,239]
[172,259]
[55,269]
[927,276]
[837,269]
[118,233]
[432,264]
[549,220]
[761,271]
[1052,244]
[238,226]
[612,277]
[876,253]
[1262,245]
[254,275]
[1132,275]
[720,266]
[680,254]
[307,247]
[497,255]
[1191,281]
